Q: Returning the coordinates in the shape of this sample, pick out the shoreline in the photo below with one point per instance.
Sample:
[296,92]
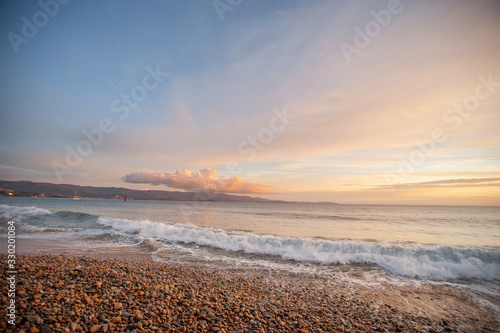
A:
[43,246]
[49,270]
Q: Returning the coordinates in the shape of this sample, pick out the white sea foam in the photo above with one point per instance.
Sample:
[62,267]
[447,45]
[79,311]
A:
[438,262]
[7,210]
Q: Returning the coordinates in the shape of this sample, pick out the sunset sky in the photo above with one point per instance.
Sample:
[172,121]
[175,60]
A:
[345,101]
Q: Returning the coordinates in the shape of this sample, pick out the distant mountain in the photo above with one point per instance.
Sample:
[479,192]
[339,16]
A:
[30,189]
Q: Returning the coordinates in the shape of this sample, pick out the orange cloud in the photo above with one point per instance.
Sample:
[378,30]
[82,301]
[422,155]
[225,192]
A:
[205,179]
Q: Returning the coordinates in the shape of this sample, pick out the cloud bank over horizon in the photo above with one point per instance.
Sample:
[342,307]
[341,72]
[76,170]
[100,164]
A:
[205,179]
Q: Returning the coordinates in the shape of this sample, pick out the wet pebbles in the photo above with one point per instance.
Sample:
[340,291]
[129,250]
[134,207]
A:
[83,294]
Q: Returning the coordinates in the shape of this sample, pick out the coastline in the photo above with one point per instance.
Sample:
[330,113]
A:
[209,300]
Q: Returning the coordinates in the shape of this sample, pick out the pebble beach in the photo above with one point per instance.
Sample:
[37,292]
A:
[68,293]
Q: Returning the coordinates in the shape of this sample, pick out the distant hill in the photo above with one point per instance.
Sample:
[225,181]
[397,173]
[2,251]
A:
[30,189]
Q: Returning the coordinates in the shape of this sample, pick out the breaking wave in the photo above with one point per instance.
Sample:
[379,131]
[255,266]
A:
[435,262]
[7,210]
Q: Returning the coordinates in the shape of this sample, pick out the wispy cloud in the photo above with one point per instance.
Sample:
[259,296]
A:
[463,181]
[447,183]
[205,179]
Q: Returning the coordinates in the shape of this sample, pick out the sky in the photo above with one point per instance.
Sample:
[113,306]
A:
[382,102]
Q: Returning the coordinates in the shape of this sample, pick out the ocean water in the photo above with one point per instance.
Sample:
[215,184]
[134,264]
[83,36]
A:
[441,244]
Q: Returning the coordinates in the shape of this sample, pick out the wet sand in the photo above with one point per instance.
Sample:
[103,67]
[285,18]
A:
[100,289]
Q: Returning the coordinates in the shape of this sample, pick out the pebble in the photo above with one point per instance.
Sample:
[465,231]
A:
[93,295]
[95,328]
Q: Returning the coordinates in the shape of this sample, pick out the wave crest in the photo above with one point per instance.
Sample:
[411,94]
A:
[23,211]
[439,262]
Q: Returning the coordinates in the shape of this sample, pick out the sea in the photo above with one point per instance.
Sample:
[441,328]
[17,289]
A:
[367,244]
